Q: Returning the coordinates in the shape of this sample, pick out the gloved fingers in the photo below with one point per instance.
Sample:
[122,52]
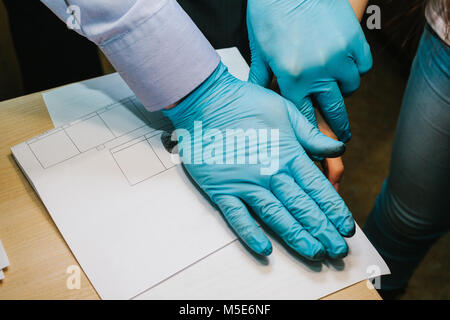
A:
[317,186]
[347,76]
[310,137]
[306,108]
[332,105]
[306,211]
[361,54]
[275,215]
[295,92]
[243,224]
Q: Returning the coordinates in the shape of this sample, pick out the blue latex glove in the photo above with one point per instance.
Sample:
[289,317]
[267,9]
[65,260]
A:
[315,48]
[291,196]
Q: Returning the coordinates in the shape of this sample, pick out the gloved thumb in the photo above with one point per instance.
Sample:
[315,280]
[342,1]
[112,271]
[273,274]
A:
[260,73]
[310,137]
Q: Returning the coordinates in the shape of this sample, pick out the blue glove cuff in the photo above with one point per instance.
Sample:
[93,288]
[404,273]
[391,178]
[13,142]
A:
[209,88]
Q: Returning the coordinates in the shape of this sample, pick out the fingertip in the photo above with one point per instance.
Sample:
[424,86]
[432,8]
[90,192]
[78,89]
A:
[337,150]
[367,63]
[362,55]
[345,136]
[319,255]
[260,244]
[365,68]
[267,249]
[332,149]
[307,246]
[348,228]
[314,250]
[339,252]
[319,146]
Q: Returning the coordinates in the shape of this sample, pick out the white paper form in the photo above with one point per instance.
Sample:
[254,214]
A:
[233,273]
[140,229]
[129,215]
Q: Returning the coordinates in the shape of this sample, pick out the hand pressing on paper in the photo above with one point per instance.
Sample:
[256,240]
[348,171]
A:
[246,147]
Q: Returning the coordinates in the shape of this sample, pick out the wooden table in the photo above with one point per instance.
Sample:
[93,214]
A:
[38,254]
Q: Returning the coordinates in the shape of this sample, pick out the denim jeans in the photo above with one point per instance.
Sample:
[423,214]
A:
[412,210]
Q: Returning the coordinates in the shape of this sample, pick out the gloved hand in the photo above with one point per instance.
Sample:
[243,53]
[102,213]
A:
[262,164]
[315,48]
